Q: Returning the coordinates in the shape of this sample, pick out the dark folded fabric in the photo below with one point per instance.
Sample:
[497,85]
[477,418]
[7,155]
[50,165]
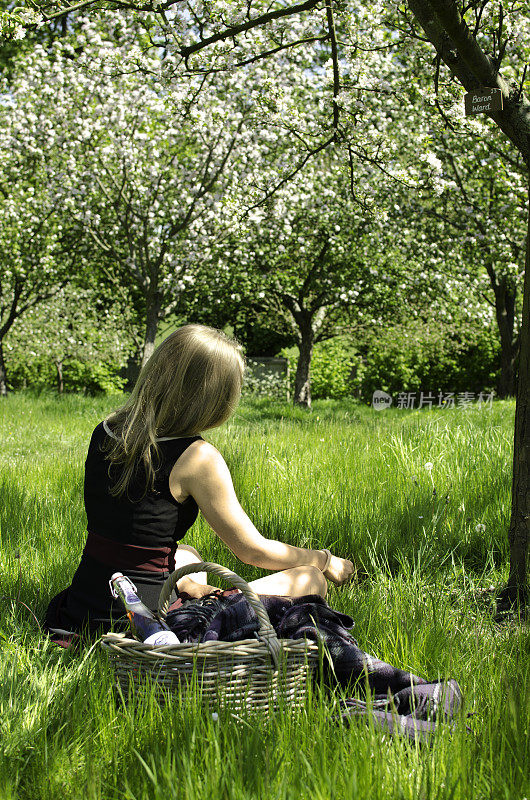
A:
[401,703]
[312,617]
[414,712]
[232,619]
[190,617]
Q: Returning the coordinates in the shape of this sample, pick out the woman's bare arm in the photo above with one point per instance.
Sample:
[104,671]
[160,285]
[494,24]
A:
[202,472]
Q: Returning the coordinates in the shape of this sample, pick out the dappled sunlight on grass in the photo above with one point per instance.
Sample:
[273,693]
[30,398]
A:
[430,545]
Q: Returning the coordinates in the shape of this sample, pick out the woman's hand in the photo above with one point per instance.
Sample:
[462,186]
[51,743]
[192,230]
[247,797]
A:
[340,570]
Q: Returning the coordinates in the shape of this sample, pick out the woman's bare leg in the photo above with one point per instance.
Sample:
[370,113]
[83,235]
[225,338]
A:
[186,554]
[293,582]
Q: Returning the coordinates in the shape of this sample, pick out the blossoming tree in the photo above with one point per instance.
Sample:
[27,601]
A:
[145,158]
[314,262]
[487,46]
[37,252]
[74,324]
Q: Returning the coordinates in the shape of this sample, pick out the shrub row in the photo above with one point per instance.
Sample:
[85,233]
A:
[415,358]
[396,359]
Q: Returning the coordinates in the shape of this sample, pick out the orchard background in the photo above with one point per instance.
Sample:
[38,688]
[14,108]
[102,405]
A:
[302,176]
[160,165]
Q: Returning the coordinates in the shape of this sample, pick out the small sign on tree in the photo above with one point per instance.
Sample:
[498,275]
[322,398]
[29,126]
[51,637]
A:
[481,101]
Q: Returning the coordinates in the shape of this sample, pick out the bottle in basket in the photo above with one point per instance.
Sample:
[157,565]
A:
[143,622]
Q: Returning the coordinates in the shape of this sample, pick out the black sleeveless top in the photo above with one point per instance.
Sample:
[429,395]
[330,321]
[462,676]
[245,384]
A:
[136,534]
[155,519]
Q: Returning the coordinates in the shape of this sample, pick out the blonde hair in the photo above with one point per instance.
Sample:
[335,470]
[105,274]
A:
[192,382]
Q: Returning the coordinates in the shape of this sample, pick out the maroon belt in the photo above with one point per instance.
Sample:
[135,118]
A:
[129,556]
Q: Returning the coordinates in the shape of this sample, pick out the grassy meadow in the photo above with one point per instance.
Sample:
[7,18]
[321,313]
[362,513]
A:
[429,545]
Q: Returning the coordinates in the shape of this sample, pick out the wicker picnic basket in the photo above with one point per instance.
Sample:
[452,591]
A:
[263,673]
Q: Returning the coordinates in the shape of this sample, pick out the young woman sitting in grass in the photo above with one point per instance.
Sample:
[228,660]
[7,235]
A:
[148,473]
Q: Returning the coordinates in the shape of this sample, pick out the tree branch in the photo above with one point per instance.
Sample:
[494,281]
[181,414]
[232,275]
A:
[449,34]
[288,177]
[233,30]
[258,57]
[335,59]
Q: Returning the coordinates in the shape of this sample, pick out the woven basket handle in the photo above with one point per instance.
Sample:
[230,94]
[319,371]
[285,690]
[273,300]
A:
[266,632]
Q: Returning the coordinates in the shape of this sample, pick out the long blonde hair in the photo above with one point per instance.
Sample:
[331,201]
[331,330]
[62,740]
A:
[192,382]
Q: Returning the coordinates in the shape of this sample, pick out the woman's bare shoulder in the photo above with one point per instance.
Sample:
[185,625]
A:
[200,461]
[200,454]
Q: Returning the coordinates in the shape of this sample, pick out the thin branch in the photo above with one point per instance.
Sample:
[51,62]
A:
[288,177]
[442,113]
[233,30]
[117,4]
[253,59]
[107,248]
[318,261]
[498,35]
[207,181]
[13,311]
[362,203]
[335,60]
[364,156]
[69,9]
[478,18]
[521,85]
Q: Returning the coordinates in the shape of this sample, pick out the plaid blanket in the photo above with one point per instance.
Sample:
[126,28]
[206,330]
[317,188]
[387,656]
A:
[400,702]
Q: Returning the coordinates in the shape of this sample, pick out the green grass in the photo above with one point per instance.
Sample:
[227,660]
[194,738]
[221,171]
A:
[343,477]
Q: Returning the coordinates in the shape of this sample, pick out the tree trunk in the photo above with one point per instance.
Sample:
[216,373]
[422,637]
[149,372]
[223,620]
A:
[302,380]
[151,327]
[60,380]
[505,313]
[3,372]
[132,370]
[516,590]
